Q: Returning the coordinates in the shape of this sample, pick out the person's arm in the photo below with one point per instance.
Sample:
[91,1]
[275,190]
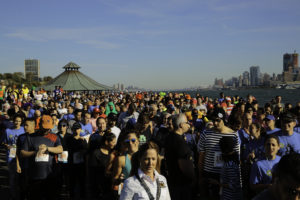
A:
[117,170]
[27,154]
[201,164]
[56,150]
[109,166]
[127,191]
[187,168]
[19,170]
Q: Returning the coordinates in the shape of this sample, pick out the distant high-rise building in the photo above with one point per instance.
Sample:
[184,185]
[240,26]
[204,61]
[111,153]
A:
[246,78]
[122,87]
[32,69]
[291,71]
[290,60]
[219,82]
[240,82]
[254,75]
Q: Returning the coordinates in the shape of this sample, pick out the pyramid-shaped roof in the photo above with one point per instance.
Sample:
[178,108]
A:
[73,80]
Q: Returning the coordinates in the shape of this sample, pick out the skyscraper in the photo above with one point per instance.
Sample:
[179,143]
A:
[32,69]
[290,60]
[246,78]
[291,71]
[254,75]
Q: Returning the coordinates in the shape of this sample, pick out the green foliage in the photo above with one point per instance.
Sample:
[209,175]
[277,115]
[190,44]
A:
[17,78]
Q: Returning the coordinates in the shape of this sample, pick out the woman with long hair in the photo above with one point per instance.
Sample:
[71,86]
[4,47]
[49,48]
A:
[122,164]
[262,170]
[145,182]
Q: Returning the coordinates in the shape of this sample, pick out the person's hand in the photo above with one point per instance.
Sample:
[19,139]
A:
[19,170]
[42,148]
[251,156]
[121,177]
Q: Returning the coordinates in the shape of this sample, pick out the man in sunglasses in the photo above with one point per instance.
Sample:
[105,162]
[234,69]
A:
[179,160]
[286,180]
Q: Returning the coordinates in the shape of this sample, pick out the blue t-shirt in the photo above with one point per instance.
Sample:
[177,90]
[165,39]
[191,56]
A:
[261,171]
[91,108]
[243,137]
[68,117]
[10,138]
[86,129]
[288,143]
[31,113]
[256,146]
[269,132]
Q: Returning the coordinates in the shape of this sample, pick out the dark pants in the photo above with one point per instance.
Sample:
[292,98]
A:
[181,192]
[43,189]
[212,191]
[77,180]
[23,184]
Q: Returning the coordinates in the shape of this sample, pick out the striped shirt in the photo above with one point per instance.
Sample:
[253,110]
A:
[231,175]
[209,144]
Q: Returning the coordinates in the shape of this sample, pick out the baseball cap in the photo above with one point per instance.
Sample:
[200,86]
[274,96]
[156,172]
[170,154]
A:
[96,110]
[270,117]
[218,114]
[47,122]
[288,117]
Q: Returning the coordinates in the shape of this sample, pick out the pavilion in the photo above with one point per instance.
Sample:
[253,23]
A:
[73,80]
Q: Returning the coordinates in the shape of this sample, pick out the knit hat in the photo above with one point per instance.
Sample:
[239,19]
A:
[47,122]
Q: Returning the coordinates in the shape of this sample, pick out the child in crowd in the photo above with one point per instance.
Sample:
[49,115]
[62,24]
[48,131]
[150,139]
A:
[230,177]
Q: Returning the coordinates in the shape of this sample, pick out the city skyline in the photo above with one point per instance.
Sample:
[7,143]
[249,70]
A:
[154,44]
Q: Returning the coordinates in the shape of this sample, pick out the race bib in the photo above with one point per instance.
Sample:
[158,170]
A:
[12,152]
[78,158]
[218,162]
[42,158]
[63,157]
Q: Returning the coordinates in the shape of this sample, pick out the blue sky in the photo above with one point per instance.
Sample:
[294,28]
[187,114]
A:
[155,44]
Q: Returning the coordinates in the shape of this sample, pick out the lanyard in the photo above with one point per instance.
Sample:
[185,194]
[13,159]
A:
[148,190]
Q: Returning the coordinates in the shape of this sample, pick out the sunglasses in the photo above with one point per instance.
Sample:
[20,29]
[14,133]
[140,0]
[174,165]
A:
[130,140]
[216,120]
[63,125]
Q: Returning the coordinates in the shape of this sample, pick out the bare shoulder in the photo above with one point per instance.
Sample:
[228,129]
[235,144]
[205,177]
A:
[229,130]
[121,160]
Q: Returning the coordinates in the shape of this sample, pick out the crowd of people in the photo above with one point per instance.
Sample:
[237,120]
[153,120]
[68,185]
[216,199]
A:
[146,145]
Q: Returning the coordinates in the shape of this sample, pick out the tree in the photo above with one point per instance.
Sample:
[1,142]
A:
[18,77]
[47,78]
[7,76]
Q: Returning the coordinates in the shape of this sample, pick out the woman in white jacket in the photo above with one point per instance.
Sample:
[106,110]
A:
[145,181]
